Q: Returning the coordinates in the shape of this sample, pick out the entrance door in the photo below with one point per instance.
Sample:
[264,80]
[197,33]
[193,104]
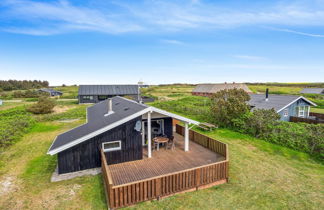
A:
[157,129]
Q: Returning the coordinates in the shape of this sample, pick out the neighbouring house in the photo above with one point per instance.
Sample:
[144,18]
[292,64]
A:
[97,93]
[51,92]
[209,89]
[285,105]
[119,136]
[312,91]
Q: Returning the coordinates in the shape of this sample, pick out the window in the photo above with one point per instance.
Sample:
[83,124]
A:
[87,97]
[111,146]
[301,112]
[286,113]
[102,97]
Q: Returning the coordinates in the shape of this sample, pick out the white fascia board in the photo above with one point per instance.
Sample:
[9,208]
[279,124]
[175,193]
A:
[178,117]
[312,103]
[97,132]
[301,97]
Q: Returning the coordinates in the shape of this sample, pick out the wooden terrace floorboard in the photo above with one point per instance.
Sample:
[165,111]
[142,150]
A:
[163,162]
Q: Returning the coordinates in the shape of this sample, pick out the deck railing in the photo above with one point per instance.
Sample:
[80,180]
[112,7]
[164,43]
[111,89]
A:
[172,183]
[108,183]
[203,140]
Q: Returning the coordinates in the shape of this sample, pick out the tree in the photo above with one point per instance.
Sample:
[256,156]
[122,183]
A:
[229,105]
[43,106]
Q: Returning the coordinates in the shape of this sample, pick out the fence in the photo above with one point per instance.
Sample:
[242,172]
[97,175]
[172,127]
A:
[317,115]
[306,120]
[209,143]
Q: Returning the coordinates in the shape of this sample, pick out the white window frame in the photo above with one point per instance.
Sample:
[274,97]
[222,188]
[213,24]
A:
[301,111]
[286,112]
[111,149]
[87,97]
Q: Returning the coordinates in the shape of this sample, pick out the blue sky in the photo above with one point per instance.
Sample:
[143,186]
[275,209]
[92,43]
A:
[187,41]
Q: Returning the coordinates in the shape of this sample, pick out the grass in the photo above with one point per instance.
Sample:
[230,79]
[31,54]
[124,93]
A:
[317,110]
[69,92]
[168,92]
[8,105]
[262,175]
[275,89]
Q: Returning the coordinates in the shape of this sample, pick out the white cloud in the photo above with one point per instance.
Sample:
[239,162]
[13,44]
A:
[63,17]
[155,16]
[296,32]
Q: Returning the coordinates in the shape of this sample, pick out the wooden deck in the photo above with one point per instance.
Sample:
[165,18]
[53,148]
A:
[168,171]
[163,162]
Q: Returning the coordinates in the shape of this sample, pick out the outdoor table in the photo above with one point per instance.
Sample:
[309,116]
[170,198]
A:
[160,140]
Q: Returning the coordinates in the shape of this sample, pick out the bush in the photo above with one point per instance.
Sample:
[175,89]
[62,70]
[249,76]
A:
[13,124]
[44,105]
[304,137]
[28,94]
[229,105]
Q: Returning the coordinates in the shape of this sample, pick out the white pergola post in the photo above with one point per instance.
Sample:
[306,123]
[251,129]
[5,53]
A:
[149,137]
[186,137]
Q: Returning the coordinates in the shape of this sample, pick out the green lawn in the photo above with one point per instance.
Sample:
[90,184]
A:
[275,89]
[168,92]
[262,175]
[317,110]
[68,91]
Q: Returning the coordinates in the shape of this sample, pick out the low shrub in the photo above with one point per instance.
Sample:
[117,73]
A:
[13,124]
[44,105]
[27,94]
[304,137]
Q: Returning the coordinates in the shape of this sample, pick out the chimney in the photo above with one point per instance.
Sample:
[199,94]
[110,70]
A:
[110,111]
[267,94]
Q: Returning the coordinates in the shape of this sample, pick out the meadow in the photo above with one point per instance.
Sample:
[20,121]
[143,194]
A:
[262,175]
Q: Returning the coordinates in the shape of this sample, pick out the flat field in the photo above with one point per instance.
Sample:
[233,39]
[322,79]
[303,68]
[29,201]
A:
[262,175]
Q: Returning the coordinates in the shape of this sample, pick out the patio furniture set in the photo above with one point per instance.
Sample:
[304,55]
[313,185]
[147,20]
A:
[168,143]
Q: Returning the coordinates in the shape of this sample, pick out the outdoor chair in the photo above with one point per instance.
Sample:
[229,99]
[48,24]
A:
[154,145]
[171,144]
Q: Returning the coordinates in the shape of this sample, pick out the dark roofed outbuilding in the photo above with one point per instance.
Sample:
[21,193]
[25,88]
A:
[97,93]
[51,92]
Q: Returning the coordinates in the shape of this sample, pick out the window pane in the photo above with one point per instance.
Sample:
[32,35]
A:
[111,146]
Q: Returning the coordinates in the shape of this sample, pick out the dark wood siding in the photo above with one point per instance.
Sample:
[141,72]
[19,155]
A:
[87,155]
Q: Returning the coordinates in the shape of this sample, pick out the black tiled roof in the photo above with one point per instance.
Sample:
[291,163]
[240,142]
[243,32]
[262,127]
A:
[97,119]
[276,102]
[108,90]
